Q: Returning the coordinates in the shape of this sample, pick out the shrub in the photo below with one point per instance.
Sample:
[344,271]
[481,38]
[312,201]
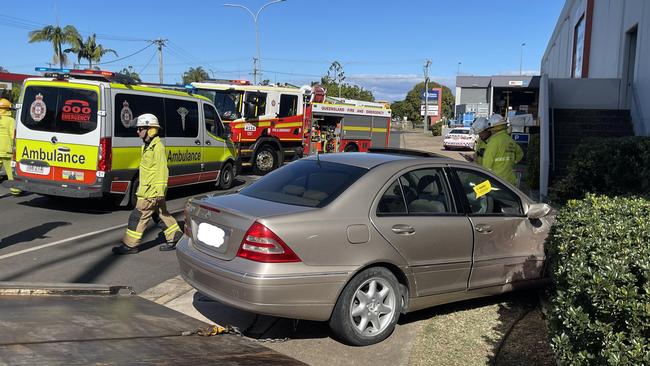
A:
[600,262]
[611,166]
[436,129]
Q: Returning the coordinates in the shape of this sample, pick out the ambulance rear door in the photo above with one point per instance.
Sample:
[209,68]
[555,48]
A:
[58,132]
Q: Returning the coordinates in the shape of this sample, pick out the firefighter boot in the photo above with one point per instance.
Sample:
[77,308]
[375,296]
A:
[171,245]
[124,249]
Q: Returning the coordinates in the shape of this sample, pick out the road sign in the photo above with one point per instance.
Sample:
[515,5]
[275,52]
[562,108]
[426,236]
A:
[432,97]
[521,137]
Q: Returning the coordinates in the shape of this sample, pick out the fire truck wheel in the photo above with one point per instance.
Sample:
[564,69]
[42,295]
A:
[226,176]
[266,160]
[351,148]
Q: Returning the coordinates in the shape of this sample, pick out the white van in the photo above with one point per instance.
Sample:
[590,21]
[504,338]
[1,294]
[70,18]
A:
[76,136]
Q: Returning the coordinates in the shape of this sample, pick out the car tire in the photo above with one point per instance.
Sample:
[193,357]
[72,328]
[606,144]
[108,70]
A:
[266,160]
[363,315]
[226,176]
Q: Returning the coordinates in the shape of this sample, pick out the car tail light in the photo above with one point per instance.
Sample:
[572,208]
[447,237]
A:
[260,244]
[104,163]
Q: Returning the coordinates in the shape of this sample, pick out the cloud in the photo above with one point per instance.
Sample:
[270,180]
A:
[393,87]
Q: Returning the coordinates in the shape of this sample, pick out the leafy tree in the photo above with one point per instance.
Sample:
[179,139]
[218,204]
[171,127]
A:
[333,83]
[130,72]
[58,37]
[89,50]
[195,74]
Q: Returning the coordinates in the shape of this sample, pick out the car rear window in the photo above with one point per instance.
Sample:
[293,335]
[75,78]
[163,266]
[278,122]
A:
[310,183]
[55,109]
[460,132]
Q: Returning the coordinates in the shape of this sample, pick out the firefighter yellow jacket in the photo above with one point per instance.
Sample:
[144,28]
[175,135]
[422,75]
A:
[153,170]
[501,155]
[480,151]
[7,127]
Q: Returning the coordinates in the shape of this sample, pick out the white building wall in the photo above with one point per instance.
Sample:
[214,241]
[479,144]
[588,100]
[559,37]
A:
[611,20]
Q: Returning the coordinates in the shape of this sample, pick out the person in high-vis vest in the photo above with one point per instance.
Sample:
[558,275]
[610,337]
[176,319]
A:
[502,152]
[151,191]
[7,129]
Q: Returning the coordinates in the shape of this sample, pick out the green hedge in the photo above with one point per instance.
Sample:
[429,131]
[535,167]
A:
[600,263]
[532,162]
[611,166]
[436,129]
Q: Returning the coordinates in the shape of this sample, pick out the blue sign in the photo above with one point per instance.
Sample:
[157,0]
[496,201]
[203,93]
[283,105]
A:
[521,138]
[432,97]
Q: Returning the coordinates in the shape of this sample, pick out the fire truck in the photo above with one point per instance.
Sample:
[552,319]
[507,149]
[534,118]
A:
[346,125]
[275,123]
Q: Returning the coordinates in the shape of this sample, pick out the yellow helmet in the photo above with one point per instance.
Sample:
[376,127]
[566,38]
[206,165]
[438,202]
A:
[5,104]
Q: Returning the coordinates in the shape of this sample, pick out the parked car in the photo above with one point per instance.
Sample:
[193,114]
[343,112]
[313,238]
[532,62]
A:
[459,138]
[357,239]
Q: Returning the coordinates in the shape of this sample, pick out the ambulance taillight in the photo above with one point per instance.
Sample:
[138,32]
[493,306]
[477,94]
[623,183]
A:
[104,163]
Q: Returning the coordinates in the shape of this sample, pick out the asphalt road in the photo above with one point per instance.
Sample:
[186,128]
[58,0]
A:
[69,240]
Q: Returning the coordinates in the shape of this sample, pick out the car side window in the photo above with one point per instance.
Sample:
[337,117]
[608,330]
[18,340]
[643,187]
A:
[212,122]
[418,192]
[487,196]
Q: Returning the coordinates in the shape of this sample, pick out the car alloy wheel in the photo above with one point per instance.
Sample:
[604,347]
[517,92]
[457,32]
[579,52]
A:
[368,308]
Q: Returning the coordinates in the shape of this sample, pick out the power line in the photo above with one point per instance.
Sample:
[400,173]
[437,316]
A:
[148,62]
[125,57]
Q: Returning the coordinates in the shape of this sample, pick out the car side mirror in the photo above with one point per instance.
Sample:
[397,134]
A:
[538,210]
[227,133]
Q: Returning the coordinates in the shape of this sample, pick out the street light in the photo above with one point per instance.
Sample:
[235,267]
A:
[257,65]
[521,58]
[458,72]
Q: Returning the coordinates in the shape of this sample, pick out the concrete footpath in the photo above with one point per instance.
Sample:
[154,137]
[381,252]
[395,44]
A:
[306,341]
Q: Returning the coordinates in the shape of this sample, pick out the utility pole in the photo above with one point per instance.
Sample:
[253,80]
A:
[160,43]
[257,63]
[426,95]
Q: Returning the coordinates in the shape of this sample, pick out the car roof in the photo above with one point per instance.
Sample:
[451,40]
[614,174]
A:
[369,160]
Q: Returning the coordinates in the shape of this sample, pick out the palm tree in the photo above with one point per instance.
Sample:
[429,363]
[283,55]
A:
[57,36]
[197,74]
[89,50]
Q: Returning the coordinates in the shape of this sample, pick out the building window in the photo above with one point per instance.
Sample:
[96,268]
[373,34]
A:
[578,48]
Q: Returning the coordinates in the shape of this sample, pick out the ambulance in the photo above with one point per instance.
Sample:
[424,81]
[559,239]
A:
[76,136]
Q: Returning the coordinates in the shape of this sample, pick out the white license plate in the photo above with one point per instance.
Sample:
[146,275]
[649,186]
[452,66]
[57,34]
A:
[35,169]
[211,235]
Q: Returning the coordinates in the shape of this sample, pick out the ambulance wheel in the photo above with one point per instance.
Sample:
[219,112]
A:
[265,161]
[226,176]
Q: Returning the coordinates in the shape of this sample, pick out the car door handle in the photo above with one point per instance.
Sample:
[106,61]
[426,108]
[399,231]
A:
[403,229]
[207,142]
[197,142]
[483,229]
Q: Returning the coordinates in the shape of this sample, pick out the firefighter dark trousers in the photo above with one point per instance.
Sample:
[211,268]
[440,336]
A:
[140,216]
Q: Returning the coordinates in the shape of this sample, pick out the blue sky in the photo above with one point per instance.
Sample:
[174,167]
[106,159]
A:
[382,45]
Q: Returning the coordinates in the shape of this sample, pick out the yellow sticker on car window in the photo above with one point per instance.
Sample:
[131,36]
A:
[482,189]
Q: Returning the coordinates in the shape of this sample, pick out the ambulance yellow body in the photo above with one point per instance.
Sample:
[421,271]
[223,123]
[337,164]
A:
[76,136]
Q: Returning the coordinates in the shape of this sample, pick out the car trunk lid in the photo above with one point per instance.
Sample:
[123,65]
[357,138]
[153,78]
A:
[218,224]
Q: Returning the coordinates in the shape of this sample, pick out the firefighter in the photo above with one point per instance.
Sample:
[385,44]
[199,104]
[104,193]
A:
[501,152]
[7,129]
[151,192]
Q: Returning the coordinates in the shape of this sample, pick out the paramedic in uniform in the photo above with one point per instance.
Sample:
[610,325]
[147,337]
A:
[501,152]
[7,129]
[151,192]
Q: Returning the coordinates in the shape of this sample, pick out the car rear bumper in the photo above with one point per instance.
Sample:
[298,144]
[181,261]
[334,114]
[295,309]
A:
[456,143]
[295,294]
[73,191]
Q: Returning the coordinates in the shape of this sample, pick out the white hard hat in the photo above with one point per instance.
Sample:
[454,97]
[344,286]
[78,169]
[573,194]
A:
[480,124]
[147,120]
[496,120]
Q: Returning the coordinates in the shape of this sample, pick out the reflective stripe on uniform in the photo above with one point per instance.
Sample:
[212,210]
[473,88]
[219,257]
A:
[172,228]
[134,234]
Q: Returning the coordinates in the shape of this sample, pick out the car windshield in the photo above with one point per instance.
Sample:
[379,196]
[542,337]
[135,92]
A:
[228,102]
[310,183]
[460,132]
